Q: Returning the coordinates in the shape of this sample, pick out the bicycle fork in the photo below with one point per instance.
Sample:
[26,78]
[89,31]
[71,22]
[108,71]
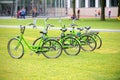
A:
[19,42]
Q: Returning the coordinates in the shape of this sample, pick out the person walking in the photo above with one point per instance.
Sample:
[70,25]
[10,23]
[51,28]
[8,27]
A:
[34,15]
[78,14]
[34,12]
[23,13]
[18,14]
[109,13]
[99,13]
[95,13]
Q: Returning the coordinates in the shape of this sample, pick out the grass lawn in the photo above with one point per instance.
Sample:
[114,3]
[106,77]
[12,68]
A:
[94,23]
[102,64]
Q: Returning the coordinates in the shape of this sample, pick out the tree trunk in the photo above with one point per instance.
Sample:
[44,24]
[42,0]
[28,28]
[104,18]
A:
[118,8]
[103,4]
[74,7]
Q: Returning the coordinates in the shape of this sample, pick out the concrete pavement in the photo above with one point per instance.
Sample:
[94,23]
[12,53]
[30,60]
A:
[57,28]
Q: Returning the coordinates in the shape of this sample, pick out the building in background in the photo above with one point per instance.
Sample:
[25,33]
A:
[44,7]
[56,7]
[88,7]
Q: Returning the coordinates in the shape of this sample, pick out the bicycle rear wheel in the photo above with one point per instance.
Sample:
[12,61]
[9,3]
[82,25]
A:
[15,48]
[53,48]
[71,46]
[98,40]
[88,43]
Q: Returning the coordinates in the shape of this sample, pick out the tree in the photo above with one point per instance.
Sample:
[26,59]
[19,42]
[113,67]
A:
[118,8]
[74,7]
[103,4]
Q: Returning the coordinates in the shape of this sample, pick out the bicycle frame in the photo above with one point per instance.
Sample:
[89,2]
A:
[73,32]
[34,48]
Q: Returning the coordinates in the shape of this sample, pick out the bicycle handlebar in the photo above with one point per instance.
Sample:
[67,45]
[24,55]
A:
[22,29]
[72,25]
[45,20]
[46,26]
[80,29]
[88,27]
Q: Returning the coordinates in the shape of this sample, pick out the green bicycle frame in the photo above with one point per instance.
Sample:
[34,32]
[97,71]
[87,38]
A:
[34,48]
[62,38]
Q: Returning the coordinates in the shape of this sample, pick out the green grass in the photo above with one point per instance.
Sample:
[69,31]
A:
[102,64]
[95,23]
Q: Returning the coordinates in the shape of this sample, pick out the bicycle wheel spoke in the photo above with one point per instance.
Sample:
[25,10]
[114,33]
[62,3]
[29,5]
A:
[50,48]
[54,49]
[88,43]
[71,46]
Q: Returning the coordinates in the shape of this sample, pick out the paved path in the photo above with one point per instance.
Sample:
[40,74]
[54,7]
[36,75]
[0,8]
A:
[56,28]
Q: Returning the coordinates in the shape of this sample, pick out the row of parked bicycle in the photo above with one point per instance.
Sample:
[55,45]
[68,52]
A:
[71,42]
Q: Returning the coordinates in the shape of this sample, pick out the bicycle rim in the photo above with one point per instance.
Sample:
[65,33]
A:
[98,40]
[53,49]
[15,48]
[71,46]
[88,43]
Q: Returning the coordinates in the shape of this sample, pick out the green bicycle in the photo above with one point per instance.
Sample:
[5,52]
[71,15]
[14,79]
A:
[70,45]
[87,42]
[95,35]
[49,47]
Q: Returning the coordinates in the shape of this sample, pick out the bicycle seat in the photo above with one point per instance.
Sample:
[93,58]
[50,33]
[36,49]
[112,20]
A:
[73,25]
[80,29]
[43,32]
[63,29]
[87,27]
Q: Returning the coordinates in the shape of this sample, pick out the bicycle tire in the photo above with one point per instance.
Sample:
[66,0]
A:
[72,46]
[50,46]
[88,43]
[15,51]
[98,40]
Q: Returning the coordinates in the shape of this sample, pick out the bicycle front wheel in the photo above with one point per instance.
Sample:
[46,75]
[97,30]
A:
[15,48]
[71,46]
[52,48]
